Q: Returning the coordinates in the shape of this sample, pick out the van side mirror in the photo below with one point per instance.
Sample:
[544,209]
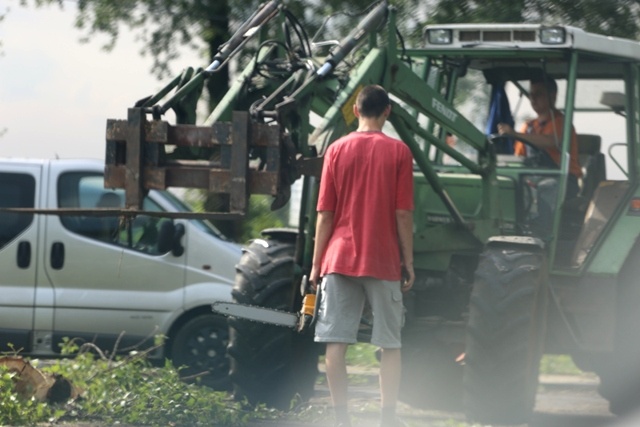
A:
[177,249]
[169,238]
[165,236]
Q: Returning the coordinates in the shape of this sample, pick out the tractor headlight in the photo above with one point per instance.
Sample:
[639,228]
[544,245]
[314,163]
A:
[553,35]
[439,36]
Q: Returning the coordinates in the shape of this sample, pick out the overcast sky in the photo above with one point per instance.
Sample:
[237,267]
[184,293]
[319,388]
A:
[56,93]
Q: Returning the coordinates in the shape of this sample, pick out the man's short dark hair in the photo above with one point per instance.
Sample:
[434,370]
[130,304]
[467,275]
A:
[548,82]
[372,101]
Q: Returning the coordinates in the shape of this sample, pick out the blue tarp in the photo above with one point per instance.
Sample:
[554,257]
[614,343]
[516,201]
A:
[500,112]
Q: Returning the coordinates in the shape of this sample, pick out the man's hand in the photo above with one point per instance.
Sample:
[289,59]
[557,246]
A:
[505,129]
[408,277]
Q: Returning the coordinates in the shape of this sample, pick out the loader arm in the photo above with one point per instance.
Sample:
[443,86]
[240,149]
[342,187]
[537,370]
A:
[278,141]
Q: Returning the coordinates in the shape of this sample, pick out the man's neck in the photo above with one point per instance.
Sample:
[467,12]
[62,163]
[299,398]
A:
[546,116]
[370,124]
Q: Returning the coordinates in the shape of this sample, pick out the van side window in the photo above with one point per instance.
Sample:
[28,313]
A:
[16,191]
[86,191]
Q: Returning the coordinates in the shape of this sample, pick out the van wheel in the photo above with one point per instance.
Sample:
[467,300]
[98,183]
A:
[269,364]
[505,335]
[200,347]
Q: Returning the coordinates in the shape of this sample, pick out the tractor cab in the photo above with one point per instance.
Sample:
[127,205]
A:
[486,72]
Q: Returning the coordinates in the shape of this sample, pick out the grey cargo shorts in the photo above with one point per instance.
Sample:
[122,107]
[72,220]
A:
[342,303]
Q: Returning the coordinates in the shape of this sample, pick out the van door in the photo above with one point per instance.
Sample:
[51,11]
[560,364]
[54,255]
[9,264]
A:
[19,187]
[112,286]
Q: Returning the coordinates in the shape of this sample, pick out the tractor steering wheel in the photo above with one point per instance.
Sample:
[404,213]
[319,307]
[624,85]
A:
[539,157]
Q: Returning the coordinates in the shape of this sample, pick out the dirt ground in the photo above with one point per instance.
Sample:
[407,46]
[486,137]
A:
[562,401]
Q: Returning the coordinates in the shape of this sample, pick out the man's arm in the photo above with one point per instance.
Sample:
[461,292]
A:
[540,141]
[404,222]
[324,228]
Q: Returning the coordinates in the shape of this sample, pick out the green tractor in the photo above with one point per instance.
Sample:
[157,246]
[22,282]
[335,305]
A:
[506,271]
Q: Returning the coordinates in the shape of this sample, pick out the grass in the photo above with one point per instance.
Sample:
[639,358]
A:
[121,390]
[559,364]
[362,355]
[134,392]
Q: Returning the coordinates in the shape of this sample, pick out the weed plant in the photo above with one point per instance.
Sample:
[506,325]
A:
[124,390]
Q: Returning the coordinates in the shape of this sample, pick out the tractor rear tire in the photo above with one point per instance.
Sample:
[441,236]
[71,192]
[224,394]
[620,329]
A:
[270,365]
[619,371]
[505,335]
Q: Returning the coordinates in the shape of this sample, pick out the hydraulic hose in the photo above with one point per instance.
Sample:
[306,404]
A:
[369,24]
[246,30]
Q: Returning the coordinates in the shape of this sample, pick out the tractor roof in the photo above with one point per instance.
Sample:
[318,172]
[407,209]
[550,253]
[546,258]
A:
[525,37]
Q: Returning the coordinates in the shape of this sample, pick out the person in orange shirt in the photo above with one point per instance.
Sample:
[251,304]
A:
[545,133]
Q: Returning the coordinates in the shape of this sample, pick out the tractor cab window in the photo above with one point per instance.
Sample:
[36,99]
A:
[470,98]
[600,125]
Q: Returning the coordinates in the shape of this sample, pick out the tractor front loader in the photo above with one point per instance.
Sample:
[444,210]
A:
[504,272]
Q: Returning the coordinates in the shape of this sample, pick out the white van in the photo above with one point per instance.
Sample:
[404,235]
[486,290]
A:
[90,278]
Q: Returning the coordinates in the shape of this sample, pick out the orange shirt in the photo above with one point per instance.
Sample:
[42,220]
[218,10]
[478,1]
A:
[535,127]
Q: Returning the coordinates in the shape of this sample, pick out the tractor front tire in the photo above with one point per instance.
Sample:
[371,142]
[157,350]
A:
[270,365]
[505,334]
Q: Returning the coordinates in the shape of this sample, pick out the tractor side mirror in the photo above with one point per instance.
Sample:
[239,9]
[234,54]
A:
[614,100]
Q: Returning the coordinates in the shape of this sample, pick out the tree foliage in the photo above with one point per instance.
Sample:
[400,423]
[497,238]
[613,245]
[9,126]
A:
[166,27]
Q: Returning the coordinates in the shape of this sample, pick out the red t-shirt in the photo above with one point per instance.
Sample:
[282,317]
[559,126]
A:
[366,177]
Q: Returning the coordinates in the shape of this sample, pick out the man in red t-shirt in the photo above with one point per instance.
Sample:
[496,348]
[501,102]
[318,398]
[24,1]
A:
[364,247]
